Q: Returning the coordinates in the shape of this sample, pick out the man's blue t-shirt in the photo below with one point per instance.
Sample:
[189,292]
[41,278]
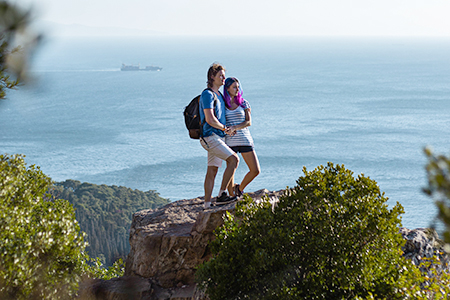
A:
[207,101]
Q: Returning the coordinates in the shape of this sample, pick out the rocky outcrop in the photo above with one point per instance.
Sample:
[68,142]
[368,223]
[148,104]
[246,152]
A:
[422,244]
[169,242]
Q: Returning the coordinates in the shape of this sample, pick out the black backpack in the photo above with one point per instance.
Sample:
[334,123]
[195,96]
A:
[192,117]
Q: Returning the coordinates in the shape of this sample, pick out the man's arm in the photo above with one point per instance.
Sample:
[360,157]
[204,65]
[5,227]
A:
[211,119]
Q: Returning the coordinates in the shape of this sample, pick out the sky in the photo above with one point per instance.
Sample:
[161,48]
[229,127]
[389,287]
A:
[252,17]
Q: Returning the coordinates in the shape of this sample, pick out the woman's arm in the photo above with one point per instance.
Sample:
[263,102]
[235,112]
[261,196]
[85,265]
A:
[246,123]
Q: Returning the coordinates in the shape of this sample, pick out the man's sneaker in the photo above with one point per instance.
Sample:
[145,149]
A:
[224,199]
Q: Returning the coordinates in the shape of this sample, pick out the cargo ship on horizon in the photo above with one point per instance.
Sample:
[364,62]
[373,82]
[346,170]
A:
[138,68]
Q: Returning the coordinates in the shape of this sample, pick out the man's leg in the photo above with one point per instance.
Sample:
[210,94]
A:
[232,163]
[218,151]
[211,173]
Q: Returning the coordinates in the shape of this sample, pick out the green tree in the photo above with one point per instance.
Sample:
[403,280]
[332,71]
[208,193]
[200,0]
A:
[14,25]
[41,246]
[330,237]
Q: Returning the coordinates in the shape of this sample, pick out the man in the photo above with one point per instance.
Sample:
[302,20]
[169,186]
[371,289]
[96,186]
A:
[212,115]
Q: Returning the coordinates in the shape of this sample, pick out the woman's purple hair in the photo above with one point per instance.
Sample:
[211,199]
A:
[238,99]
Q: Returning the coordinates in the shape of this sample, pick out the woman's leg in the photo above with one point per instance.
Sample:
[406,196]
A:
[252,162]
[230,187]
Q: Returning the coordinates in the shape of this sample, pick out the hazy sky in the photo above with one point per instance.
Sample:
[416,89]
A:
[256,17]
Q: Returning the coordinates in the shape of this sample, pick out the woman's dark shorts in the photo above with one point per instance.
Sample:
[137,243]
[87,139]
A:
[242,149]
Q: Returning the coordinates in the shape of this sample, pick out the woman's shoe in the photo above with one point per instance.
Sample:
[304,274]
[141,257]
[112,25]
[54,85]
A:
[237,191]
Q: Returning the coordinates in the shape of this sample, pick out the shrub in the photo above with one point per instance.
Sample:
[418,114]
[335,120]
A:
[96,269]
[332,236]
[41,245]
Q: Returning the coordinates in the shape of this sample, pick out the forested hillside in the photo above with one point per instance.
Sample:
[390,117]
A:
[104,213]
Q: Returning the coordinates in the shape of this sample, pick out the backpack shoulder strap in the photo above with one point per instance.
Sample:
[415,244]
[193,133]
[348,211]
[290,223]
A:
[214,110]
[222,95]
[215,96]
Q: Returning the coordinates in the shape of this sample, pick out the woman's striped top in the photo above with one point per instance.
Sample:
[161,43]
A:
[235,117]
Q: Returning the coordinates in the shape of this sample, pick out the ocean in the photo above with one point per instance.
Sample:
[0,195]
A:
[371,104]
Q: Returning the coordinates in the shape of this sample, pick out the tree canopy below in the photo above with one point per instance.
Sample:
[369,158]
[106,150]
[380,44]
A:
[105,214]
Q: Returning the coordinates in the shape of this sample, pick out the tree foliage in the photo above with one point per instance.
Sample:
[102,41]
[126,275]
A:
[438,173]
[15,28]
[41,245]
[330,237]
[5,80]
[105,214]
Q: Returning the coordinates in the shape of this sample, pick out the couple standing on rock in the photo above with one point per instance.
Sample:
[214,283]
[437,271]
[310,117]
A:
[225,120]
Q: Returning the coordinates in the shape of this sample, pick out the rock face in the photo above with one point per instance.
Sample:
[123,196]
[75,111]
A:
[420,243]
[423,243]
[168,243]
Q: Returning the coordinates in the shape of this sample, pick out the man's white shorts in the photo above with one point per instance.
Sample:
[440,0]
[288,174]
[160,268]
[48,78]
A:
[217,149]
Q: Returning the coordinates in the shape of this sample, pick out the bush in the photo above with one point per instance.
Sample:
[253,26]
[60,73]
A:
[330,237]
[96,269]
[41,245]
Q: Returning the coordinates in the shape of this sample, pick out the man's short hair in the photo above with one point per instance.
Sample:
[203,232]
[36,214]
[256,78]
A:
[212,71]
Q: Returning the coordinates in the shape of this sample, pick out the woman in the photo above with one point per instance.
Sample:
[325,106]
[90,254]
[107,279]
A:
[238,119]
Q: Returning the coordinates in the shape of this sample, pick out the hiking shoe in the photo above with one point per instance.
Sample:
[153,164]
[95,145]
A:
[224,199]
[237,191]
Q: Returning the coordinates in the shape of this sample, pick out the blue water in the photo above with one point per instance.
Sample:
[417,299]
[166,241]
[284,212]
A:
[370,104]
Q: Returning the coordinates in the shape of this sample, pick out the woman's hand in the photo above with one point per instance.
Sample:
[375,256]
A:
[230,130]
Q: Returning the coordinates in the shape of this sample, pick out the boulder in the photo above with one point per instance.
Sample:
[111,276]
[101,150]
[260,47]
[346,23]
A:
[422,244]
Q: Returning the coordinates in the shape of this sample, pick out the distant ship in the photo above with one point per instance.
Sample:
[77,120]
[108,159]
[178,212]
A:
[138,68]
